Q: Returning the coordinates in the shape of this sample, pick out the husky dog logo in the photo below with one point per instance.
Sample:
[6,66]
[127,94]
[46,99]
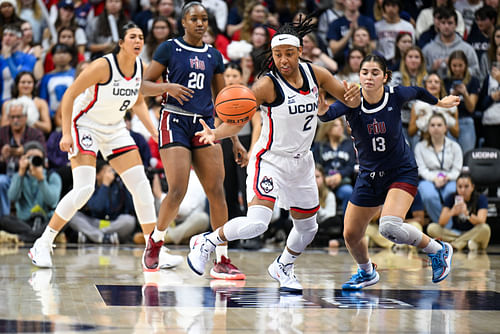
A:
[86,140]
[267,184]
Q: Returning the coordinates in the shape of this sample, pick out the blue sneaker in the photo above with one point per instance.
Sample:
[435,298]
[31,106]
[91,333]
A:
[361,279]
[441,262]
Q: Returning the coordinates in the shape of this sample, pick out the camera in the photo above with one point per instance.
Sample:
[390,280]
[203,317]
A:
[35,161]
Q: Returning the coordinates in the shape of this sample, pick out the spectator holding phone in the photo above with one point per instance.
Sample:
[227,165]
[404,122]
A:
[462,83]
[12,139]
[463,218]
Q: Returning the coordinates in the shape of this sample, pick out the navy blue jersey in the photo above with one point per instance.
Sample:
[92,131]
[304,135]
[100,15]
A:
[376,129]
[193,67]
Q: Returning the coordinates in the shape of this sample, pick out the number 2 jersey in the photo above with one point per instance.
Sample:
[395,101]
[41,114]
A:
[377,131]
[102,105]
[193,67]
[289,123]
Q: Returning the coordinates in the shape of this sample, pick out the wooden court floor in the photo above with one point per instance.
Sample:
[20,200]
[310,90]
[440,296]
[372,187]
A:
[102,289]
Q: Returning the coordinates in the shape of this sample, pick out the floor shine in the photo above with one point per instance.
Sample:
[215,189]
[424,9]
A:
[102,289]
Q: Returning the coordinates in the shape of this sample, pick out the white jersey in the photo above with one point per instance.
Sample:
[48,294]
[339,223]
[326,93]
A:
[289,124]
[106,104]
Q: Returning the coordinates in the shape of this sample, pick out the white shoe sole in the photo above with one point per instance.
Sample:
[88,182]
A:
[39,265]
[282,288]
[363,284]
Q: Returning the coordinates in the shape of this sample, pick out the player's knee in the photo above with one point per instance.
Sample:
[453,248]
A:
[394,229]
[307,225]
[143,194]
[252,229]
[81,195]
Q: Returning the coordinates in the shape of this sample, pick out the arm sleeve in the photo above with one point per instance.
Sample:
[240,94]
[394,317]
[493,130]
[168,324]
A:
[219,66]
[163,53]
[15,188]
[334,111]
[482,202]
[449,201]
[458,160]
[419,93]
[423,170]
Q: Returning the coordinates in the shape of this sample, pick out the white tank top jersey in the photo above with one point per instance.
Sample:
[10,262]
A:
[107,103]
[288,128]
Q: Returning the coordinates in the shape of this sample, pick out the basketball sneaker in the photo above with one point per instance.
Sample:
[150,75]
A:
[40,254]
[285,275]
[200,250]
[226,270]
[167,260]
[151,255]
[441,262]
[361,279]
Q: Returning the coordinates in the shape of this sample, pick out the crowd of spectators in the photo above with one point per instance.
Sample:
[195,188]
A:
[446,46]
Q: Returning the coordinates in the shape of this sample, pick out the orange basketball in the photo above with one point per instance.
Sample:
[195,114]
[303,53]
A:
[235,104]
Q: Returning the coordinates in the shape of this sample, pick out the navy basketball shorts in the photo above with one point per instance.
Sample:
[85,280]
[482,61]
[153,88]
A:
[179,130]
[371,188]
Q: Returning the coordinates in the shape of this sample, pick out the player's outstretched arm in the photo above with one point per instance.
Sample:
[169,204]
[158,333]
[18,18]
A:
[141,110]
[347,93]
[150,87]
[449,101]
[210,136]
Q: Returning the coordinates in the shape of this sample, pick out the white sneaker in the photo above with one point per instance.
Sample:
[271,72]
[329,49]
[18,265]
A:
[201,248]
[167,260]
[40,254]
[285,276]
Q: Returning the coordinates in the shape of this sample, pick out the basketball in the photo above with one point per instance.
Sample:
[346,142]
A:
[235,104]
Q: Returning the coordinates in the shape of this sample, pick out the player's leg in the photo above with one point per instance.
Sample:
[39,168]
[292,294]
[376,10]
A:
[356,220]
[209,167]
[391,226]
[83,170]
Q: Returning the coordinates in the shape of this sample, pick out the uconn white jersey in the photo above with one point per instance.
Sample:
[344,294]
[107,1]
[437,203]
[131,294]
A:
[289,123]
[107,103]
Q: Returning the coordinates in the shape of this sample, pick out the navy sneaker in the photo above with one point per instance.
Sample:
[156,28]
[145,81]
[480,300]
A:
[441,262]
[361,279]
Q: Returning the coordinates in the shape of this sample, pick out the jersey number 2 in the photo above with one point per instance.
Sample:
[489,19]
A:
[306,125]
[378,144]
[196,80]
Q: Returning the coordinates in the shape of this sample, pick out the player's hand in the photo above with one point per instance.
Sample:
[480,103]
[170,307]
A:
[449,101]
[322,105]
[66,144]
[179,92]
[240,154]
[352,94]
[207,136]
[155,136]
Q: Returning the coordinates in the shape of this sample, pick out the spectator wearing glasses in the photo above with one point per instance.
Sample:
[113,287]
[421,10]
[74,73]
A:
[12,139]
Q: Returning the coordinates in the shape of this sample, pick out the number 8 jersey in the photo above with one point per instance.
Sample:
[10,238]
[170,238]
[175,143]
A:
[105,104]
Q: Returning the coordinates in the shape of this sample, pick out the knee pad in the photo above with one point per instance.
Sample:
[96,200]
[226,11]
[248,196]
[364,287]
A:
[254,224]
[394,229]
[137,183]
[302,234]
[83,188]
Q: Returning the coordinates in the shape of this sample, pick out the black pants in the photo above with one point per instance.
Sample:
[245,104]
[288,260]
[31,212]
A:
[27,231]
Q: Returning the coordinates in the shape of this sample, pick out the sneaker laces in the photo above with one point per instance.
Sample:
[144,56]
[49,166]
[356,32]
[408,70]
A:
[227,263]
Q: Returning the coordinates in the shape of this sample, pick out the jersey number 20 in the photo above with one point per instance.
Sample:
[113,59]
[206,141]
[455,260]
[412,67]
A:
[196,80]
[378,144]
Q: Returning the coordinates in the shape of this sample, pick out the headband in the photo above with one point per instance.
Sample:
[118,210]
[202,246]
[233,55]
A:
[285,39]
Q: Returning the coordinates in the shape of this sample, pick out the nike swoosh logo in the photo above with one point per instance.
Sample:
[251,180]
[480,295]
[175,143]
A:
[281,39]
[291,97]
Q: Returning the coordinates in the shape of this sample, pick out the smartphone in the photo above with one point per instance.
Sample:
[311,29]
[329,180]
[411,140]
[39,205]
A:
[456,83]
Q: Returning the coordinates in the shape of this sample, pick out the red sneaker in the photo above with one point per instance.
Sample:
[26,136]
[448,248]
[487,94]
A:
[226,270]
[151,255]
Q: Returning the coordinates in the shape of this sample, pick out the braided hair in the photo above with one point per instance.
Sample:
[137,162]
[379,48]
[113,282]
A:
[299,30]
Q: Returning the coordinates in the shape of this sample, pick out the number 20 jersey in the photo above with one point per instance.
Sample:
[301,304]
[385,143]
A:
[289,123]
[193,67]
[105,104]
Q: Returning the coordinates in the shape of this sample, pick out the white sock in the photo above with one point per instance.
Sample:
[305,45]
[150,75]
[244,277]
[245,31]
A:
[367,267]
[146,238]
[158,235]
[49,235]
[221,250]
[287,257]
[432,247]
[215,238]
